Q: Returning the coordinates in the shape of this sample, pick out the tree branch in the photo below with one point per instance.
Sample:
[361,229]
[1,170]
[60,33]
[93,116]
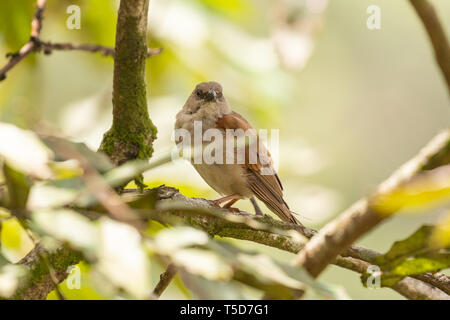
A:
[268,231]
[35,44]
[264,230]
[364,215]
[36,26]
[38,282]
[48,47]
[52,274]
[165,279]
[132,133]
[437,36]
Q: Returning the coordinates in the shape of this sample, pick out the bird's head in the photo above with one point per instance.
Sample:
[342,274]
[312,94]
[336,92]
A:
[208,91]
[208,97]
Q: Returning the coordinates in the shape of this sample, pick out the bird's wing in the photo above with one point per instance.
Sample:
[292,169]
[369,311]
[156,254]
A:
[262,178]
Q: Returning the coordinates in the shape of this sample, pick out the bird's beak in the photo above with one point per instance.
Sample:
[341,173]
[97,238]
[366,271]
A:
[211,95]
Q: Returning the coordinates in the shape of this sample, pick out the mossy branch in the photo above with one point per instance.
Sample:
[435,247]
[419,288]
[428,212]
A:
[38,282]
[202,214]
[132,133]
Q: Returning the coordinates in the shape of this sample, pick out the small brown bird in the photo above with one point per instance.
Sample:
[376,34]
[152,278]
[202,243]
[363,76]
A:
[237,180]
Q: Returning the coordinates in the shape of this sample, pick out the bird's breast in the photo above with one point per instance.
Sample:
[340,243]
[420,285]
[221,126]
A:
[226,179]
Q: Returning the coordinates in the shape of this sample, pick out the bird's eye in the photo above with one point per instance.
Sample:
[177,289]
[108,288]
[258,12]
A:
[199,93]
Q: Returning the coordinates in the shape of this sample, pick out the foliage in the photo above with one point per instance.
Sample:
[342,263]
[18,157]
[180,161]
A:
[45,196]
[60,211]
[414,255]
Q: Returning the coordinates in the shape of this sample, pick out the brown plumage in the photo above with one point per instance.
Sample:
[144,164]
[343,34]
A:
[237,180]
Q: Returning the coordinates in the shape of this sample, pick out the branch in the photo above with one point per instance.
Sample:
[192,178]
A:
[48,47]
[437,36]
[264,230]
[36,26]
[364,215]
[268,231]
[165,279]
[132,133]
[52,274]
[35,44]
[39,283]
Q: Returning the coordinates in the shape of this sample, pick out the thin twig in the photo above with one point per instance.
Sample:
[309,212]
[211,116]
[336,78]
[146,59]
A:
[36,26]
[437,35]
[165,279]
[48,47]
[35,44]
[43,256]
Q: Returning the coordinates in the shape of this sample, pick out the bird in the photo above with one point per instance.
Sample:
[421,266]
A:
[234,181]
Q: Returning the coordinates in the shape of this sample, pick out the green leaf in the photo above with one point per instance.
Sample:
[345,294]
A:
[18,187]
[416,254]
[423,263]
[415,244]
[10,275]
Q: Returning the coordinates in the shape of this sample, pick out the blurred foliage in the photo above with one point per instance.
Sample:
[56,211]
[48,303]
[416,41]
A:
[308,68]
[427,189]
[119,256]
[415,255]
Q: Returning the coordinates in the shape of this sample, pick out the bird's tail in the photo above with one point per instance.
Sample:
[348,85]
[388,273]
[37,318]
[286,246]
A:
[282,210]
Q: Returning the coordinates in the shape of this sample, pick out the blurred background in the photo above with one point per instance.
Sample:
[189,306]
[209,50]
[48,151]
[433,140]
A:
[351,104]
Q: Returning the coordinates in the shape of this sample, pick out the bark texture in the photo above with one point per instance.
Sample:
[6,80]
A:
[132,133]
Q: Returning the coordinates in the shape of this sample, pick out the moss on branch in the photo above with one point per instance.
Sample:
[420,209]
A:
[132,133]
[38,284]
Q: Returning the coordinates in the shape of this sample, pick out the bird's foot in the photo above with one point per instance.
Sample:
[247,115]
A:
[258,211]
[231,199]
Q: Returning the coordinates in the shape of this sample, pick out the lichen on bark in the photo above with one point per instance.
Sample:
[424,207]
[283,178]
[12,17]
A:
[37,283]
[132,133]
